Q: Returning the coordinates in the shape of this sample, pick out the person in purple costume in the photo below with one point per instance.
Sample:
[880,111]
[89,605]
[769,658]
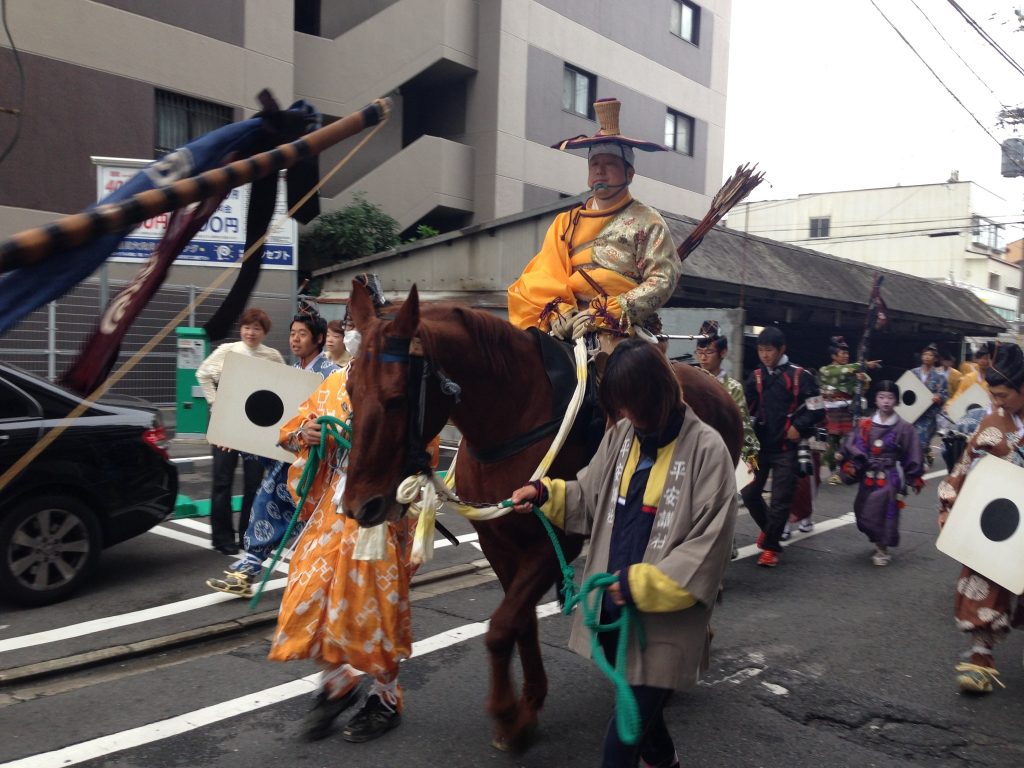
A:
[883,454]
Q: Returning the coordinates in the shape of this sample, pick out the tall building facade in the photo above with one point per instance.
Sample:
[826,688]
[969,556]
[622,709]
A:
[481,89]
[955,232]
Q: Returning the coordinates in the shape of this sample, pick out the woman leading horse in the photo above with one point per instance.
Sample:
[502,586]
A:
[398,401]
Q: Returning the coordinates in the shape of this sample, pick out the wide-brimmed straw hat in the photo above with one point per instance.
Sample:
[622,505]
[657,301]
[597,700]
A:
[609,135]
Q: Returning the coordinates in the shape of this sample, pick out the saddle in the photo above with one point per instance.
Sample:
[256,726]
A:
[560,367]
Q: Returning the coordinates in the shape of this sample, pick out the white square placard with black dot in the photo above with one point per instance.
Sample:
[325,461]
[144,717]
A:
[972,397]
[915,397]
[255,398]
[985,529]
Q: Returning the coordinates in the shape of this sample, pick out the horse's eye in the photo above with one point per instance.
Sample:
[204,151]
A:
[394,403]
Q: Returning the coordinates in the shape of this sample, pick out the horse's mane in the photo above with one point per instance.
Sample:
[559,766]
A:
[498,343]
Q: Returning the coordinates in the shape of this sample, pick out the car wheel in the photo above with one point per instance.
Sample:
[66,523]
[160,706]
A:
[49,546]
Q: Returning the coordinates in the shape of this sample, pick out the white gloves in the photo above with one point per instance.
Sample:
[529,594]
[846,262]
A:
[571,326]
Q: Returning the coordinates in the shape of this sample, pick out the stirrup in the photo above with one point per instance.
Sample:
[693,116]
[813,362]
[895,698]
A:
[977,679]
[233,583]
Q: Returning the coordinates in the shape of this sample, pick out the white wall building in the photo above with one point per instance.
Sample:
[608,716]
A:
[953,232]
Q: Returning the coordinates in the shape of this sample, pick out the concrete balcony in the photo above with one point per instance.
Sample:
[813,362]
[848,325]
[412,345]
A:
[387,50]
[430,173]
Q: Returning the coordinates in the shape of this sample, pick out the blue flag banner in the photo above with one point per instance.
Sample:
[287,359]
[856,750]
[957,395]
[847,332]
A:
[28,288]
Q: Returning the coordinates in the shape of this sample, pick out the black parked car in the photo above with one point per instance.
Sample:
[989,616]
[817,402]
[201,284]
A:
[105,479]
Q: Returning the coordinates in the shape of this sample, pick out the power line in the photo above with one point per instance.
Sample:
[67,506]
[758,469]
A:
[945,221]
[985,36]
[956,53]
[956,98]
[881,235]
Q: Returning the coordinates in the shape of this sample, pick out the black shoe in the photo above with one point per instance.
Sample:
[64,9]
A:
[317,723]
[375,719]
[227,549]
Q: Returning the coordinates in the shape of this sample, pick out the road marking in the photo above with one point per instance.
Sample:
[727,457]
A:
[186,459]
[125,619]
[190,721]
[825,525]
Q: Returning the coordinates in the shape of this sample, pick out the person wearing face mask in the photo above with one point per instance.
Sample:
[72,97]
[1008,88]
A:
[884,455]
[606,265]
[658,502]
[984,610]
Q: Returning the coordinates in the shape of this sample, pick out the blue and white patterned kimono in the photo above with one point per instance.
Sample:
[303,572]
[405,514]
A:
[273,506]
[925,425]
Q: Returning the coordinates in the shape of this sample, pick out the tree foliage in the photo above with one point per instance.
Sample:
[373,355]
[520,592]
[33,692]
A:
[357,230]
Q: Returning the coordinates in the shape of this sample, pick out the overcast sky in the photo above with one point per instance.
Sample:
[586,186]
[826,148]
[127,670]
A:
[825,96]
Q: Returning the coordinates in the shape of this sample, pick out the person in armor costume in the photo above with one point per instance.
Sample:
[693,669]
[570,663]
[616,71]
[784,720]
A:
[607,265]
[983,609]
[786,408]
[838,384]
[883,455]
[711,351]
[926,424]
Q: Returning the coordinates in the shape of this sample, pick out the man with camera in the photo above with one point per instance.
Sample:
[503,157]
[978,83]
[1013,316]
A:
[785,406]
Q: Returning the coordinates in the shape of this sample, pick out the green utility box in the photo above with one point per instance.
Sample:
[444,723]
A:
[193,413]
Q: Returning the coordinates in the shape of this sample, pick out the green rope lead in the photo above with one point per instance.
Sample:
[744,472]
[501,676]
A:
[330,428]
[590,597]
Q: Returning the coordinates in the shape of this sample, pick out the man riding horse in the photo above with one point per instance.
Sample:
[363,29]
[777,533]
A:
[607,265]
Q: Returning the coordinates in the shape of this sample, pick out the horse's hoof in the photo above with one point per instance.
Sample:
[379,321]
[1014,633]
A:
[500,743]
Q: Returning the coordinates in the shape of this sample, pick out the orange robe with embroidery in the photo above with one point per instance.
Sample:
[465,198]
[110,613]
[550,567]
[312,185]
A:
[626,250]
[335,609]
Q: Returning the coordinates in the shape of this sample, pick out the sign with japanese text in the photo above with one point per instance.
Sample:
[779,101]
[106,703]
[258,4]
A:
[221,242]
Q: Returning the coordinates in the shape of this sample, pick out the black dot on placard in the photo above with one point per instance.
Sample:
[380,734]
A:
[909,398]
[264,408]
[971,406]
[999,519]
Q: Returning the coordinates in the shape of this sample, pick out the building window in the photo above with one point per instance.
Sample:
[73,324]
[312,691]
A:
[685,21]
[307,17]
[679,132]
[993,282]
[820,226]
[987,233]
[579,90]
[180,119]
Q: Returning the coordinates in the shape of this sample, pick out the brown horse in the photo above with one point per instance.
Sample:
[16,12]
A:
[398,401]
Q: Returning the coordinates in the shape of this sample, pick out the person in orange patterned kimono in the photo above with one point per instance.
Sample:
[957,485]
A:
[351,616]
[608,264]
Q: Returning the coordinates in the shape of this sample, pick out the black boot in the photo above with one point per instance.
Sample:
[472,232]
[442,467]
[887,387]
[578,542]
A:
[317,723]
[375,719]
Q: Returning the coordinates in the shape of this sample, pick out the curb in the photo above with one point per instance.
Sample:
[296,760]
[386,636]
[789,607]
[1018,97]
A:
[82,661]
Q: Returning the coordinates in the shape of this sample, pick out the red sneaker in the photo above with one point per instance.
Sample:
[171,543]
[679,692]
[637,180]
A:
[760,540]
[768,559]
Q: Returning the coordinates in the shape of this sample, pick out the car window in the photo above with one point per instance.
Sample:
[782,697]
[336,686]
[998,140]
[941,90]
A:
[15,404]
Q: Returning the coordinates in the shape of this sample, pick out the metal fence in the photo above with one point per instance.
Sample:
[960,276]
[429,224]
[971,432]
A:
[47,341]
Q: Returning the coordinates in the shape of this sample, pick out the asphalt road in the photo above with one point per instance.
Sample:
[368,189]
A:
[826,660]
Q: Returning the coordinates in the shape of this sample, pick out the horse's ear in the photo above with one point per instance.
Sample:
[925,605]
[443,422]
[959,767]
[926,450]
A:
[408,318]
[360,306]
